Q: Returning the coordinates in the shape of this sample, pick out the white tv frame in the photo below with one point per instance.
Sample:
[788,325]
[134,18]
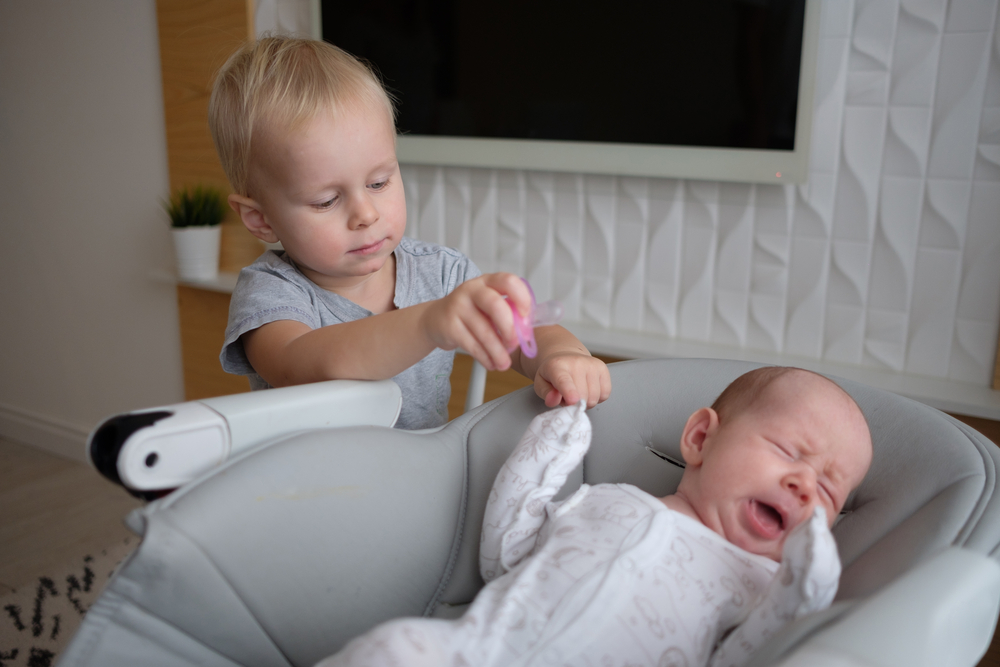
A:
[716,164]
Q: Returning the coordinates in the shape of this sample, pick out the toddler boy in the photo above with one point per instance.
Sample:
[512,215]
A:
[306,136]
[613,575]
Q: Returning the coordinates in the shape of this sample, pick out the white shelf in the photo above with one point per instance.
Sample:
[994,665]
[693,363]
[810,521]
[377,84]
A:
[224,282]
[948,395]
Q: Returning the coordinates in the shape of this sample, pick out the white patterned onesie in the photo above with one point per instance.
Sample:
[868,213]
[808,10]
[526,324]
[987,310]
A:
[609,576]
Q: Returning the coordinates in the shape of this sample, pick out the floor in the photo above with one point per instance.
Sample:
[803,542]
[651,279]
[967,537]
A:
[52,509]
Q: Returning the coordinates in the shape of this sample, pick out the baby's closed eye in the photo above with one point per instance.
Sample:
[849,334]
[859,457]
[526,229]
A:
[784,451]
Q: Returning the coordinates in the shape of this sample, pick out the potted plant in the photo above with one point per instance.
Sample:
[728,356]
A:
[195,218]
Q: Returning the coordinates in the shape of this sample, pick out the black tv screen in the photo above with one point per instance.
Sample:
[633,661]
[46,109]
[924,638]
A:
[709,73]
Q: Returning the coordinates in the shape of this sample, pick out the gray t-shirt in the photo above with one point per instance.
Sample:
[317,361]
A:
[272,288]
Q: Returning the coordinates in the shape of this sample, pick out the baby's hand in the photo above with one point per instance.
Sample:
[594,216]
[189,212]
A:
[477,318]
[567,377]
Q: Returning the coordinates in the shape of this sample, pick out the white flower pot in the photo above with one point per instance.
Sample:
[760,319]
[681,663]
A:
[197,252]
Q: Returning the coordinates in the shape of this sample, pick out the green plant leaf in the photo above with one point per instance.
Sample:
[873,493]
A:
[197,206]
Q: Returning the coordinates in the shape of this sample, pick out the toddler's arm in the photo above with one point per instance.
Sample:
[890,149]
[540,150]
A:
[549,450]
[474,316]
[564,370]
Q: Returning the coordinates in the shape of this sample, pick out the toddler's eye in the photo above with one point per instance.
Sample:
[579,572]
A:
[326,204]
[379,185]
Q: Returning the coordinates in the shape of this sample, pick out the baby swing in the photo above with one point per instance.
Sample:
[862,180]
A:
[283,553]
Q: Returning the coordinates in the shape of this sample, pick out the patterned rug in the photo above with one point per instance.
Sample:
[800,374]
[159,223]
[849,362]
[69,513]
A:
[38,620]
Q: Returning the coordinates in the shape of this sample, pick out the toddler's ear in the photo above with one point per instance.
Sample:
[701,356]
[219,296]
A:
[253,217]
[700,425]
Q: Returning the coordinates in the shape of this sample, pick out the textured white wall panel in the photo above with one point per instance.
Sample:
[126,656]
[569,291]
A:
[663,266]
[770,266]
[887,258]
[483,206]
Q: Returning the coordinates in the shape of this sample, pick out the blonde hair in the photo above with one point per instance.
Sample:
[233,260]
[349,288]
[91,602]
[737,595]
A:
[748,389]
[283,82]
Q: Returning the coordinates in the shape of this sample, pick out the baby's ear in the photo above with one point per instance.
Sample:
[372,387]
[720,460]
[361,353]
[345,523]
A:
[700,425]
[252,216]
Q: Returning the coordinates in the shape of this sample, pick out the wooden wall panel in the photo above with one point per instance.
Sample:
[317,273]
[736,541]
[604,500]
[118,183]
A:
[196,37]
[203,316]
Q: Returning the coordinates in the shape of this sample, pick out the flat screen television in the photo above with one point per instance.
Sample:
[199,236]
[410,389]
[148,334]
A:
[711,89]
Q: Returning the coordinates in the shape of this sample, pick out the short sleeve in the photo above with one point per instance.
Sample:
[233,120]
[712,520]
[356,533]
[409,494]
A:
[466,270]
[427,271]
[266,291]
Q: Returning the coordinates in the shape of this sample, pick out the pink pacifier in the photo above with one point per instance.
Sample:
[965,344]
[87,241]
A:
[541,315]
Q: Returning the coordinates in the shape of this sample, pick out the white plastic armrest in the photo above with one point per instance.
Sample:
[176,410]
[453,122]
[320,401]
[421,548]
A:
[259,416]
[941,613]
[165,447]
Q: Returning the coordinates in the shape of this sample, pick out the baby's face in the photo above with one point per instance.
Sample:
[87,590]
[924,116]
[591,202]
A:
[332,194]
[765,469]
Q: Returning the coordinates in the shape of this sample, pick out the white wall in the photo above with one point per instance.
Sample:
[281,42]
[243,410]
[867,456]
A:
[84,330]
[888,259]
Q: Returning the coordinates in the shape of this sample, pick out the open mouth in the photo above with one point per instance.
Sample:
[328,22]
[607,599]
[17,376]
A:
[768,519]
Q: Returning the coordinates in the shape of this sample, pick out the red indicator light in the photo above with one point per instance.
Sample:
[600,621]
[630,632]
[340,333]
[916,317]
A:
[777,174]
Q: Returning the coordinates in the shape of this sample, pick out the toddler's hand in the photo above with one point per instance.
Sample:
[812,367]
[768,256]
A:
[568,377]
[477,318]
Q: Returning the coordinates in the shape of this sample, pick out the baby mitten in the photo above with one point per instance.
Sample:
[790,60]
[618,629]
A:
[550,449]
[806,582]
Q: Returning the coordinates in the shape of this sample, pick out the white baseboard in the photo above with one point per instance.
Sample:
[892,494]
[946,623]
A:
[45,433]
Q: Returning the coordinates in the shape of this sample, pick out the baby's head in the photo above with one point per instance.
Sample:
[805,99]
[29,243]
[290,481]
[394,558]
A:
[774,445]
[307,138]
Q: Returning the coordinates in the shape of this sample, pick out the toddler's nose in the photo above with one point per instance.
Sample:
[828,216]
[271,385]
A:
[363,214]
